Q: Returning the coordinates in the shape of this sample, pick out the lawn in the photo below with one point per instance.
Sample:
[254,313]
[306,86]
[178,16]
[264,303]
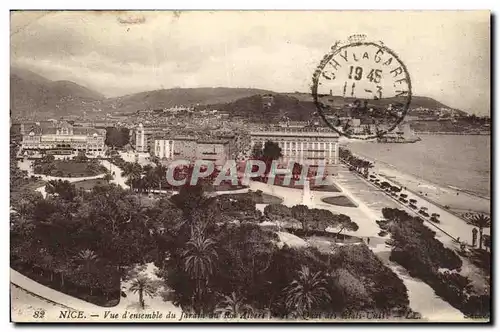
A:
[267,199]
[339,201]
[278,181]
[70,168]
[257,198]
[74,168]
[89,184]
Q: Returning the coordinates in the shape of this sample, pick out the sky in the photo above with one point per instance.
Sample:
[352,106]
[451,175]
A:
[447,53]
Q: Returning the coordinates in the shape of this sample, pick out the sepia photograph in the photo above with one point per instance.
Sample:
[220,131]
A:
[250,166]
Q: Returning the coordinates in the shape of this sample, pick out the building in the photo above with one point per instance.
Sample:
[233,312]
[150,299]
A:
[192,148]
[61,138]
[167,145]
[310,147]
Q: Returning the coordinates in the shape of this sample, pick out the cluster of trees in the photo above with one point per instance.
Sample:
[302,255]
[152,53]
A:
[82,243]
[117,137]
[154,177]
[17,176]
[237,269]
[240,206]
[357,164]
[309,219]
[415,247]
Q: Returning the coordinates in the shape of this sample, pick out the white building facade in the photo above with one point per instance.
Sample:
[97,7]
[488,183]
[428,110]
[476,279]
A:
[312,147]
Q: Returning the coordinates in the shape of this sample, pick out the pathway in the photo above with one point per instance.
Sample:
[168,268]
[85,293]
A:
[422,297]
[52,302]
[116,172]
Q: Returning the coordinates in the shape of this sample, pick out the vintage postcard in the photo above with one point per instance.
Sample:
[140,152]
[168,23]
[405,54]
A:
[250,166]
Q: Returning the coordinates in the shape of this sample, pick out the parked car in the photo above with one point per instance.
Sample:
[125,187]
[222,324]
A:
[424,213]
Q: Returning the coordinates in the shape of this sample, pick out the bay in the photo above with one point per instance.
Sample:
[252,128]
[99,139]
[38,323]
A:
[454,161]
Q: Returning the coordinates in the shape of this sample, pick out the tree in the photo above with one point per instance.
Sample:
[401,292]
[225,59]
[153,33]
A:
[117,137]
[233,306]
[273,211]
[272,151]
[306,292]
[257,151]
[366,166]
[63,189]
[487,241]
[144,286]
[346,223]
[480,221]
[199,262]
[48,158]
[108,177]
[81,157]
[301,213]
[133,172]
[87,257]
[352,291]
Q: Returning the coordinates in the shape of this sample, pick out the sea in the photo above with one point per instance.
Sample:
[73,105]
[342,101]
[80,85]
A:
[455,161]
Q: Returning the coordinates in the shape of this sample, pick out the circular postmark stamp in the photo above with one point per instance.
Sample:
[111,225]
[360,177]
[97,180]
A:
[361,89]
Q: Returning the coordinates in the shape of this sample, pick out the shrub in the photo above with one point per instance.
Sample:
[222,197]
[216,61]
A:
[417,250]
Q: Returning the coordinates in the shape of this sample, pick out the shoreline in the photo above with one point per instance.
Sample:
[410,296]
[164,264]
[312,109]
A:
[457,200]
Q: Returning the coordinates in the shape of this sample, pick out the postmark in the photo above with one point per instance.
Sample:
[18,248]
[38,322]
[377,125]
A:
[361,88]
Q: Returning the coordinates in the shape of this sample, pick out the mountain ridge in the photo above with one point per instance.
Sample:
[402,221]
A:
[32,93]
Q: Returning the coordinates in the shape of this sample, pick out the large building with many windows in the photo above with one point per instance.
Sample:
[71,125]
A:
[171,146]
[191,148]
[310,147]
[61,138]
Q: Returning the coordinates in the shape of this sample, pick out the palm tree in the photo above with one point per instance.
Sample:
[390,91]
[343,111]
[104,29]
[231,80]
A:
[307,291]
[133,172]
[87,258]
[143,285]
[199,260]
[366,166]
[234,306]
[480,221]
[160,174]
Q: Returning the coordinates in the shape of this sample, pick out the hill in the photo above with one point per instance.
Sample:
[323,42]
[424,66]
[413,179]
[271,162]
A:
[416,101]
[159,99]
[269,108]
[32,95]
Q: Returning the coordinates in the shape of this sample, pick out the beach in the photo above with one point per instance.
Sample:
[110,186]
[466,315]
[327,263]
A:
[451,173]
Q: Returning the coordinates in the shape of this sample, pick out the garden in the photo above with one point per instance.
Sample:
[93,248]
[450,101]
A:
[415,247]
[84,242]
[79,166]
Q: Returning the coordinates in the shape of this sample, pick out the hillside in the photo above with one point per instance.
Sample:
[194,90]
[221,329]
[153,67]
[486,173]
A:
[269,107]
[177,97]
[32,94]
[339,101]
